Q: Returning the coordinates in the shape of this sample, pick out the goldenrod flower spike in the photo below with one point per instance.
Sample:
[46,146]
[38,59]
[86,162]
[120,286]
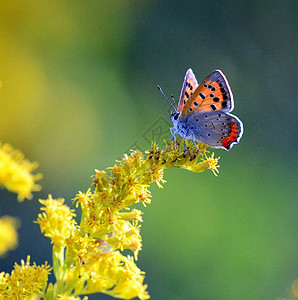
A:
[87,256]
[16,173]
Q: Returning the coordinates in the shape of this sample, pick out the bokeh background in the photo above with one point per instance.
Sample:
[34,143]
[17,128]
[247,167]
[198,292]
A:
[79,90]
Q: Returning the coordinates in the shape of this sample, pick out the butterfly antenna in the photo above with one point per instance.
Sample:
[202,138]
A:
[166,98]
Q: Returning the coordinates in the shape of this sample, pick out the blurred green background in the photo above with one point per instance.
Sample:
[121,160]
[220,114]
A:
[79,90]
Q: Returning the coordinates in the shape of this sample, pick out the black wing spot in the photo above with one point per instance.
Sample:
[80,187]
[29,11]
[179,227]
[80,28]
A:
[205,85]
[195,103]
[213,107]
[190,109]
[186,94]
[202,96]
[197,120]
[206,125]
[223,90]
[209,86]
[216,99]
[211,95]
[219,115]
[208,134]
[206,116]
[224,96]
[213,89]
[224,104]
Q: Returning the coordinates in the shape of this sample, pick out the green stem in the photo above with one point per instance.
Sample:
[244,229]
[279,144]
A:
[59,271]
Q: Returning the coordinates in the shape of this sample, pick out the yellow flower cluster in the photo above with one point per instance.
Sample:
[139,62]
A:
[57,221]
[25,281]
[16,173]
[87,256]
[8,234]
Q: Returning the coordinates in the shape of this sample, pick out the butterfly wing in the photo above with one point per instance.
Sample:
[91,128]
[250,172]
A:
[190,84]
[217,129]
[213,94]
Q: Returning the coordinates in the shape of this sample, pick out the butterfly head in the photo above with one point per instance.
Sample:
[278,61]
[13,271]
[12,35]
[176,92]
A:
[175,117]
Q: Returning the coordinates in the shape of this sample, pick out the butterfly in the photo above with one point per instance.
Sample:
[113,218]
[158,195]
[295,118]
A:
[203,112]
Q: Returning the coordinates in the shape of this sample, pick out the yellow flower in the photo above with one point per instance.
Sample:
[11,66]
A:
[25,281]
[107,272]
[206,163]
[8,234]
[126,235]
[57,221]
[16,173]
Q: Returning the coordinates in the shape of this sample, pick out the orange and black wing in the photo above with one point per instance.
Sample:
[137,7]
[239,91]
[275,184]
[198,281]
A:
[213,94]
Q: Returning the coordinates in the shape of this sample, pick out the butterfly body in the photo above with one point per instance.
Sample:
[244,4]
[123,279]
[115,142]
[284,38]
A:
[203,112]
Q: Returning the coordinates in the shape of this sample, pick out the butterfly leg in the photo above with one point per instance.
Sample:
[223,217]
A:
[173,135]
[184,145]
[194,141]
